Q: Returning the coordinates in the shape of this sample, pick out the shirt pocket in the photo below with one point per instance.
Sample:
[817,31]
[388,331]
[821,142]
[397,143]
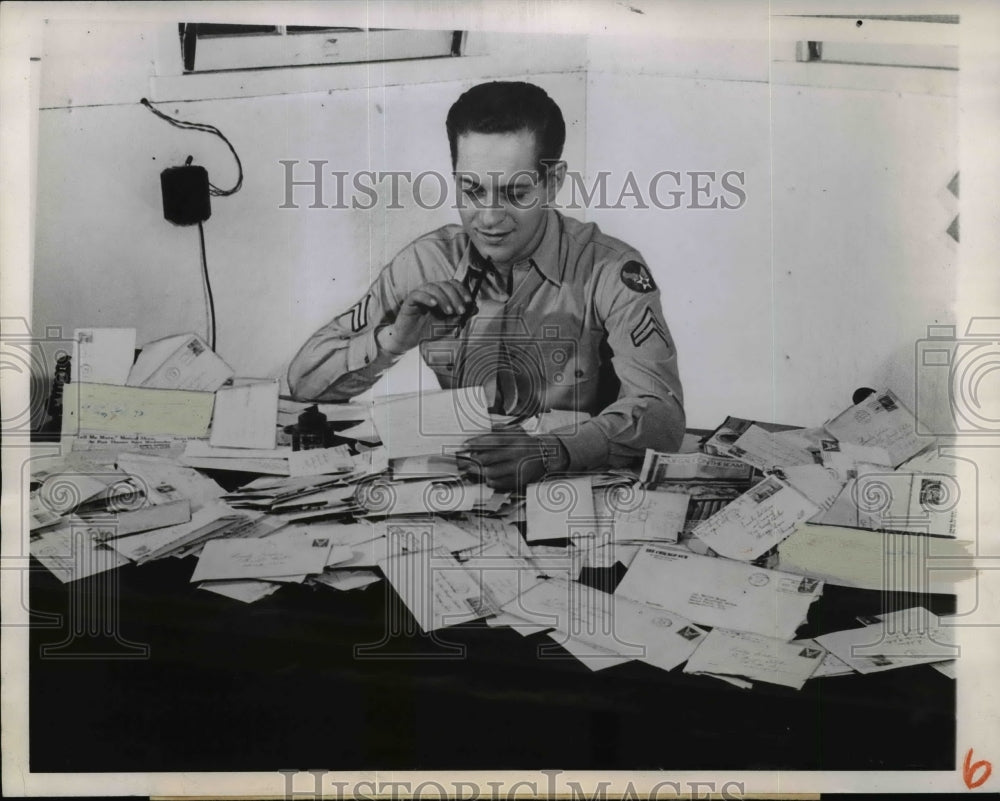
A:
[571,371]
[441,355]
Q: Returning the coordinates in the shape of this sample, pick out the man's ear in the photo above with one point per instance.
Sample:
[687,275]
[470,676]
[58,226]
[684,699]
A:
[555,177]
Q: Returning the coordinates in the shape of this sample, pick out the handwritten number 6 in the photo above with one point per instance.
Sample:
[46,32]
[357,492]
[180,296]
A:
[969,769]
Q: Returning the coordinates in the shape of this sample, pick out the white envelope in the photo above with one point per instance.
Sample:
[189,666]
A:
[715,591]
[753,656]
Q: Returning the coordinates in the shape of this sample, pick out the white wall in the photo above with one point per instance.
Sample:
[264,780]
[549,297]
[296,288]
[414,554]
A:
[820,283]
[825,278]
[106,257]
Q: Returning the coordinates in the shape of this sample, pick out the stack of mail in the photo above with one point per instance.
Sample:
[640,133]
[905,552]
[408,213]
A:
[725,549]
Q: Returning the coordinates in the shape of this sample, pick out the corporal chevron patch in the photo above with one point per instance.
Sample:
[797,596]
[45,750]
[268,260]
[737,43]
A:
[648,326]
[359,314]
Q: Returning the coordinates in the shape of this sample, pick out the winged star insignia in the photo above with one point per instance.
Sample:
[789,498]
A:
[637,278]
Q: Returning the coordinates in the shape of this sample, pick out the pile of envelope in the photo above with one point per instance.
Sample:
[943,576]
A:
[725,546]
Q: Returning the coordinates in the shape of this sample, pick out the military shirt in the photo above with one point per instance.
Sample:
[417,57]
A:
[578,327]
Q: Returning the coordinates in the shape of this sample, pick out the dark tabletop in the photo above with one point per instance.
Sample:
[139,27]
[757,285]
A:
[138,670]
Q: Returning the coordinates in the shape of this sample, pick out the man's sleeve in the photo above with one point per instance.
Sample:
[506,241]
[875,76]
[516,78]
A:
[342,359]
[649,412]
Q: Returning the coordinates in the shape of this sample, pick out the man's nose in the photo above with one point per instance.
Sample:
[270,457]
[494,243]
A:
[492,214]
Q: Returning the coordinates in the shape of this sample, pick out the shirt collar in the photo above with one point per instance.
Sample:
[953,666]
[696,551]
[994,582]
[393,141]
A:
[546,258]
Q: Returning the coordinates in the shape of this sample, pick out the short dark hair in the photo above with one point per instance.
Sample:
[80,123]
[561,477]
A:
[508,107]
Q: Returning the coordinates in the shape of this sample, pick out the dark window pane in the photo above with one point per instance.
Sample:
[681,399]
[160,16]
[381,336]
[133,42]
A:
[215,29]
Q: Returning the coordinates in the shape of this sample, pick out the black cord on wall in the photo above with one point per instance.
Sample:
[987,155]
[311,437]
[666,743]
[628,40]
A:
[186,192]
[208,286]
[205,128]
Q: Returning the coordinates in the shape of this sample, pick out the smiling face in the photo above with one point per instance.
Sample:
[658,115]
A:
[502,199]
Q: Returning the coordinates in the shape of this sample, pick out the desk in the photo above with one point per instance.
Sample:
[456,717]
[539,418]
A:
[276,685]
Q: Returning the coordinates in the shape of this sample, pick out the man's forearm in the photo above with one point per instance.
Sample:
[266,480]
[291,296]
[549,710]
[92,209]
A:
[328,367]
[623,431]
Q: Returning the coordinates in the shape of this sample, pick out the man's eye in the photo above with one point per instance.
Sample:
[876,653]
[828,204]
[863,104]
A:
[473,192]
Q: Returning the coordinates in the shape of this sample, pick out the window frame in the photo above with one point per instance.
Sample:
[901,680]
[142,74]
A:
[285,47]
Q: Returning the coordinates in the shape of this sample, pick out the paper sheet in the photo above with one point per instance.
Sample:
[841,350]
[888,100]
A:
[908,637]
[843,458]
[522,627]
[261,558]
[430,422]
[102,355]
[366,554]
[61,493]
[732,428]
[755,657]
[592,656]
[626,553]
[742,684]
[292,501]
[830,666]
[383,497]
[362,432]
[501,576]
[720,592]
[103,408]
[270,461]
[339,534]
[881,421]
[148,517]
[39,517]
[595,553]
[373,460]
[182,361]
[558,508]
[436,589]
[646,514]
[766,450]
[613,623]
[427,465]
[266,466]
[818,483]
[923,503]
[345,579]
[321,461]
[146,545]
[756,521]
[164,445]
[873,560]
[71,551]
[278,487]
[946,668]
[247,590]
[488,531]
[658,467]
[246,416]
[157,472]
[430,533]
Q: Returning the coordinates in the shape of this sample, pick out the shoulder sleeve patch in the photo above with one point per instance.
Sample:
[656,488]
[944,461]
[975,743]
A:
[648,326]
[357,316]
[636,277]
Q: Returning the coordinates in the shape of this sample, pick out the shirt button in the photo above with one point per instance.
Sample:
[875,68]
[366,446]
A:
[578,373]
[449,367]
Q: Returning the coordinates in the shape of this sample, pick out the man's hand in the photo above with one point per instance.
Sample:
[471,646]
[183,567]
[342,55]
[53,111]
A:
[429,312]
[508,460]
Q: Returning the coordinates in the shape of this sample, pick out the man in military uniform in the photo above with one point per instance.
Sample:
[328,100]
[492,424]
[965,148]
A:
[565,318]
